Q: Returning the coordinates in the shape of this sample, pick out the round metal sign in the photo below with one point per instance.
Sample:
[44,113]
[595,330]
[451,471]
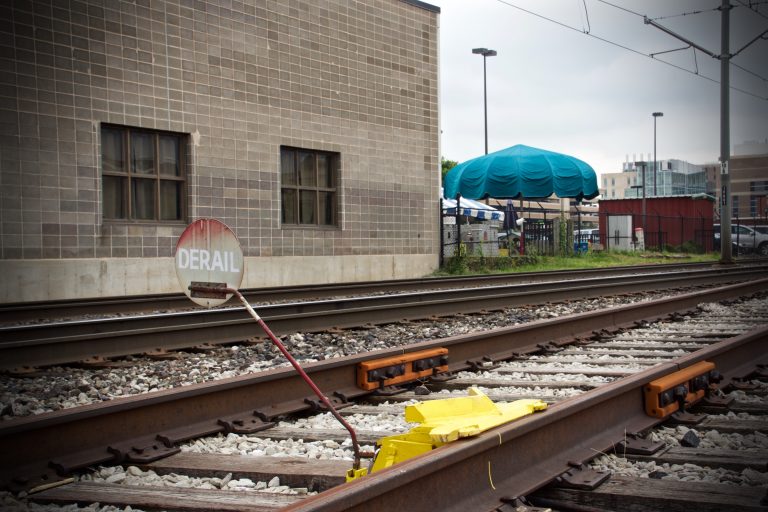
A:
[208,256]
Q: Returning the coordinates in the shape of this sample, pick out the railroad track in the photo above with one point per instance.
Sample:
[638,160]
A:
[129,424]
[43,311]
[50,343]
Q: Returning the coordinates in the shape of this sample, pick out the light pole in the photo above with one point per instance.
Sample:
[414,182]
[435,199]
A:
[655,115]
[485,52]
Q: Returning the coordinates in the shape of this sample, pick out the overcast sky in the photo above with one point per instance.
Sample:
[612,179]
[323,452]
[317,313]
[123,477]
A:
[558,89]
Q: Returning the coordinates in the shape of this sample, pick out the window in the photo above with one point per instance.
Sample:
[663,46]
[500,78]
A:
[142,174]
[308,187]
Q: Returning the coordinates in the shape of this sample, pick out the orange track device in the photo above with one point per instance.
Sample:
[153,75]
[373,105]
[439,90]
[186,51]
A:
[389,371]
[664,396]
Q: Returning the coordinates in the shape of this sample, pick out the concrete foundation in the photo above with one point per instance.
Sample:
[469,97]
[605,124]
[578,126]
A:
[39,280]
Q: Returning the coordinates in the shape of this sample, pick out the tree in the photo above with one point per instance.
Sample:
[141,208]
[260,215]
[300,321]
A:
[447,165]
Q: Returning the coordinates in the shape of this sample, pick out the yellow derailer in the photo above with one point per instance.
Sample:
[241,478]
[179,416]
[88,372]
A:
[444,421]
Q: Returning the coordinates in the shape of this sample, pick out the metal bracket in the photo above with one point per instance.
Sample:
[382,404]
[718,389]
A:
[160,354]
[518,504]
[317,405]
[582,478]
[244,424]
[441,377]
[686,418]
[144,454]
[484,364]
[635,446]
[723,402]
[550,348]
[738,385]
[389,391]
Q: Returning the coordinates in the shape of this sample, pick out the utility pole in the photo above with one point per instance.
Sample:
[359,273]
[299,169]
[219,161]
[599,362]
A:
[726,201]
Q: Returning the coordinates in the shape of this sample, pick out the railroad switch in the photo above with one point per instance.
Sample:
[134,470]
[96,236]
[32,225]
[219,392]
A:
[444,421]
[389,371]
[671,394]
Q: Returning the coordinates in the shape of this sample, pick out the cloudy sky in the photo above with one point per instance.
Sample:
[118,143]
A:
[554,87]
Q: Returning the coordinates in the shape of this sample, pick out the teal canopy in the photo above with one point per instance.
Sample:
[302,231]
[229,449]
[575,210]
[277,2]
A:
[522,171]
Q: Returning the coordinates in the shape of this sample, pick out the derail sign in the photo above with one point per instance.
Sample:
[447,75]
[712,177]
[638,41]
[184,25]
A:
[208,254]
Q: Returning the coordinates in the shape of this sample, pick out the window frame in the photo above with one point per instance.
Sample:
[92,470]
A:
[298,188]
[128,176]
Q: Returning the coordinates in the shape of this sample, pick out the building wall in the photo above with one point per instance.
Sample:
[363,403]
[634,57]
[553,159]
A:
[749,186]
[618,185]
[240,79]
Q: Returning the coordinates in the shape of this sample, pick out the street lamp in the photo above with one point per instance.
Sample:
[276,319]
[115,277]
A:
[655,115]
[485,52]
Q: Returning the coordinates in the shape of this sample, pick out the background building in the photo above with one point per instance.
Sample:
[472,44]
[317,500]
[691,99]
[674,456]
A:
[672,178]
[749,182]
[310,128]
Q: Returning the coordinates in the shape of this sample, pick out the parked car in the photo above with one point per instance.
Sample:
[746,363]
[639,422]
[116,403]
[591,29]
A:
[745,239]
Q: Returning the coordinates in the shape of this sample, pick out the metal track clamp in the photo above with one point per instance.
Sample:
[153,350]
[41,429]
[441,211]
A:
[389,371]
[674,392]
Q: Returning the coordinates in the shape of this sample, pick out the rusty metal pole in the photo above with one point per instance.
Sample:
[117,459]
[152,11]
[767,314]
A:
[294,363]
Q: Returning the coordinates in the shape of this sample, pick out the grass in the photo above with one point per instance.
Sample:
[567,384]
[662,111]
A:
[475,265]
[612,259]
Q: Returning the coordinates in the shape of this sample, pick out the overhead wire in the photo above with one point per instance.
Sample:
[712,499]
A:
[751,3]
[638,52]
[684,14]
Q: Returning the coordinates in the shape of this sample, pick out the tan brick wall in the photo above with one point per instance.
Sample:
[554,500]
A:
[359,78]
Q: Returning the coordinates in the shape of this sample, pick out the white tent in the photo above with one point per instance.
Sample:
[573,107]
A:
[472,208]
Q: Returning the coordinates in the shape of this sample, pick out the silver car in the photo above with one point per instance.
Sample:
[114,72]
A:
[745,239]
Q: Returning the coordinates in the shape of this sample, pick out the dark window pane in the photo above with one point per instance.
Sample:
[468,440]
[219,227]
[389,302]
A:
[307,175]
[111,150]
[170,200]
[324,177]
[142,153]
[326,208]
[114,197]
[289,206]
[169,156]
[307,207]
[143,199]
[288,167]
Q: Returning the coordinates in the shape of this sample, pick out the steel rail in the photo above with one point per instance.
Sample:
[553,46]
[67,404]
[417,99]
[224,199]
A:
[493,469]
[66,342]
[26,311]
[38,449]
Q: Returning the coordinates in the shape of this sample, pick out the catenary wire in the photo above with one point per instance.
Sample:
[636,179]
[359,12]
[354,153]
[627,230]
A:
[627,48]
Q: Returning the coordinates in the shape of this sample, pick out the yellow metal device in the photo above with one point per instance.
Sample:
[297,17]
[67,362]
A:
[665,395]
[444,421]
